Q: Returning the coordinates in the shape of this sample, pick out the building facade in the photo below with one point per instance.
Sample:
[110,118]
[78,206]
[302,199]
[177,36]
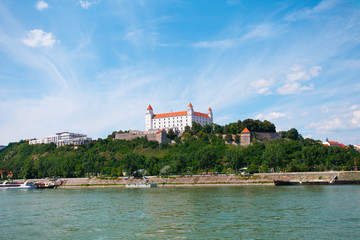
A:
[176,120]
[63,138]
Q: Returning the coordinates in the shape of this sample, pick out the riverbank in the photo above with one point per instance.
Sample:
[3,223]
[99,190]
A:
[259,179]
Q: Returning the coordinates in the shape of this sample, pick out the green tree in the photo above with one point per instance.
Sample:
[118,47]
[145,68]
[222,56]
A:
[206,158]
[228,138]
[131,162]
[274,155]
[196,127]
[292,134]
[234,158]
[179,163]
[171,134]
[237,139]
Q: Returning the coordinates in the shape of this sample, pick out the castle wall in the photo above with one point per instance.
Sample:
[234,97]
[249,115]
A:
[150,135]
[267,136]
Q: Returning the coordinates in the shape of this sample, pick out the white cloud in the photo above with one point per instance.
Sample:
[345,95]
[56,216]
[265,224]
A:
[325,109]
[87,4]
[293,88]
[327,125]
[262,86]
[300,73]
[353,107]
[311,12]
[355,121]
[271,116]
[227,43]
[259,31]
[294,78]
[38,38]
[315,71]
[41,5]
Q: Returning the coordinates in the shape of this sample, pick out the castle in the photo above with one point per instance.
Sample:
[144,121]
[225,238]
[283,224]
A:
[157,126]
[176,120]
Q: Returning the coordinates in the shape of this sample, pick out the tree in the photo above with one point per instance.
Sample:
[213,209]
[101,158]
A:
[179,163]
[187,129]
[218,128]
[234,158]
[292,134]
[207,128]
[237,139]
[274,155]
[171,134]
[206,158]
[131,162]
[228,138]
[196,127]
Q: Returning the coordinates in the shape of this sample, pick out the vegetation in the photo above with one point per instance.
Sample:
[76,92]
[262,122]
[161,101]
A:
[200,149]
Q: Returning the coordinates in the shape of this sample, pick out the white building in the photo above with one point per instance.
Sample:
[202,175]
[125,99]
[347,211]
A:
[176,120]
[63,138]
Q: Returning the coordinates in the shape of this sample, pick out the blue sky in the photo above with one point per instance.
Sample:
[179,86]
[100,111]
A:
[94,66]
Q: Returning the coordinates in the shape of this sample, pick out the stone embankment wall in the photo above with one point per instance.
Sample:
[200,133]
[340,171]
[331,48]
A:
[311,176]
[230,179]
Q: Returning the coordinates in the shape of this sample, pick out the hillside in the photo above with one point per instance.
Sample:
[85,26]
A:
[193,153]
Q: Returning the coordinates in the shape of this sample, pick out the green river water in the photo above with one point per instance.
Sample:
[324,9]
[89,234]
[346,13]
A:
[268,212]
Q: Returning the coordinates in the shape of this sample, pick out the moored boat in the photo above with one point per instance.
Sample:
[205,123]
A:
[335,182]
[141,185]
[44,185]
[12,185]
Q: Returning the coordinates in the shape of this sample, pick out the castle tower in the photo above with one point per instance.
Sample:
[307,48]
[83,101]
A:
[210,114]
[190,114]
[148,118]
[245,139]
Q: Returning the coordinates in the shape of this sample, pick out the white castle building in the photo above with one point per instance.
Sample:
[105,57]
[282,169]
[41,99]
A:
[176,120]
[63,138]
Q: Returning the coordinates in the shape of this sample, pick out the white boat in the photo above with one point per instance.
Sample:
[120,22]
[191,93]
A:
[141,185]
[10,185]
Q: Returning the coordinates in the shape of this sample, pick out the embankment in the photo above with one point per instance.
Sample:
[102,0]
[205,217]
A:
[259,179]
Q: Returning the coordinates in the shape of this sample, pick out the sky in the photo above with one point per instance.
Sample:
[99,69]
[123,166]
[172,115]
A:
[93,67]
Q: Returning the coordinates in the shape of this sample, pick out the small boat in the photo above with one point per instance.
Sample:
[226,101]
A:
[141,185]
[12,185]
[44,185]
[284,182]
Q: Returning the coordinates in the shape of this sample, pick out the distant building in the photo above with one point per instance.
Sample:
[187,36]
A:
[357,147]
[63,138]
[333,144]
[176,120]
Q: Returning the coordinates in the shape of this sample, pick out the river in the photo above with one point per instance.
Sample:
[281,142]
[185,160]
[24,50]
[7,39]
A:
[253,212]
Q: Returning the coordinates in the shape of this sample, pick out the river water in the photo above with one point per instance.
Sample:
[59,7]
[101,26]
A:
[268,212]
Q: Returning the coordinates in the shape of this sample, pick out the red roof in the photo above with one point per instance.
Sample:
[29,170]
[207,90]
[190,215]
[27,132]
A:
[336,144]
[178,114]
[160,131]
[201,114]
[173,114]
[209,109]
[190,105]
[149,107]
[245,131]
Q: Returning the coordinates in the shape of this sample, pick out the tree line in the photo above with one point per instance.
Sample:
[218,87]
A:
[191,154]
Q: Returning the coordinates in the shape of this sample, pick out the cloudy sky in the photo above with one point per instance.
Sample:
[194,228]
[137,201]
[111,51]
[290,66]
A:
[94,66]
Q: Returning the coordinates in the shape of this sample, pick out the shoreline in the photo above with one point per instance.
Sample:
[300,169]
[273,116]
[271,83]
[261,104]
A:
[94,186]
[210,180]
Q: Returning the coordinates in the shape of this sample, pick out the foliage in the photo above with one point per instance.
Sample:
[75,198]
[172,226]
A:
[193,153]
